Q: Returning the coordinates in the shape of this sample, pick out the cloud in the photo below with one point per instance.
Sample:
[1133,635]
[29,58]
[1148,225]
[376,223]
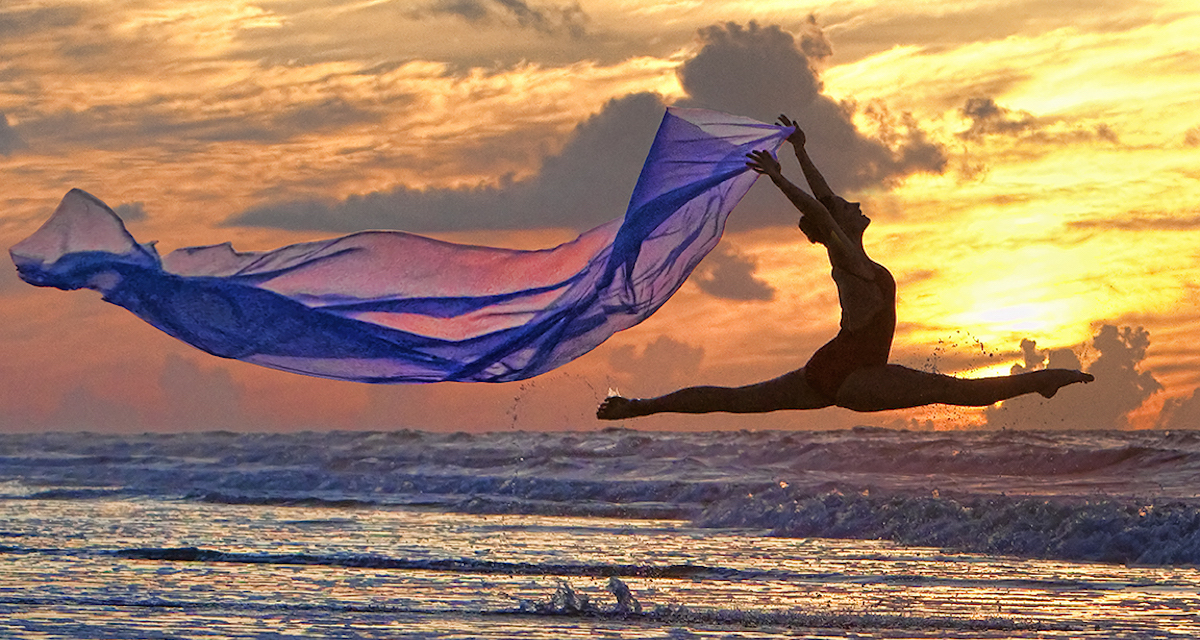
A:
[82,410]
[661,366]
[135,124]
[813,43]
[131,211]
[18,22]
[1120,386]
[943,25]
[990,119]
[1106,133]
[328,114]
[760,72]
[752,70]
[727,274]
[755,71]
[199,399]
[586,184]
[568,19]
[469,10]
[196,399]
[1141,222]
[463,34]
[10,142]
[1180,413]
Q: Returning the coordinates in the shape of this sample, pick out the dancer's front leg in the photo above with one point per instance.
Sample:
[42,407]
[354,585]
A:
[789,391]
[896,387]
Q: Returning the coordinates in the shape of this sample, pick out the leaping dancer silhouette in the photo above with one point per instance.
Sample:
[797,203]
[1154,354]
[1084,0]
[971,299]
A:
[852,370]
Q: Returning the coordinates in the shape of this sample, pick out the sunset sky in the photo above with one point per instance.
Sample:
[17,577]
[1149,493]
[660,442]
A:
[1032,170]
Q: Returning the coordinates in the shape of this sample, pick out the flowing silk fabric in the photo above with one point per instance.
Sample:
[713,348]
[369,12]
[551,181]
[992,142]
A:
[388,306]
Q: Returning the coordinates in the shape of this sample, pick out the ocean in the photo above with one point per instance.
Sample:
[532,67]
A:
[865,533]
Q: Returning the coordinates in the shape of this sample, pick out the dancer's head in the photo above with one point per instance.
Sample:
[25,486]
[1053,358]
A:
[847,215]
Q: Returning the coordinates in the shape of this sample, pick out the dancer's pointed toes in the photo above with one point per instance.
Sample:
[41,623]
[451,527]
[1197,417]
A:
[1056,379]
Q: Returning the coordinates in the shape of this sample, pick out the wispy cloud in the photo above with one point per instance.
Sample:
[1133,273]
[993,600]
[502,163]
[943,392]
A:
[990,119]
[813,43]
[567,19]
[126,126]
[16,22]
[1141,222]
[950,25]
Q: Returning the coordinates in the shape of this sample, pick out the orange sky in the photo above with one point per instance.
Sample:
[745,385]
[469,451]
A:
[1031,170]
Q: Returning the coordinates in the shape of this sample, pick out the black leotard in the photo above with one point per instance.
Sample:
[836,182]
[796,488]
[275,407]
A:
[853,349]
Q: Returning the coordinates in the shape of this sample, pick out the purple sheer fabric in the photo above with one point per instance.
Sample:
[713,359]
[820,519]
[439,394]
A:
[388,306]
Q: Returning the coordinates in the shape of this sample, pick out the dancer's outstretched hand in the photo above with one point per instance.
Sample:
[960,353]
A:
[764,163]
[797,138]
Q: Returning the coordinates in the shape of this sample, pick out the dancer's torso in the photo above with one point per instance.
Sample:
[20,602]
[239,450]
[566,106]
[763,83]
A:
[868,324]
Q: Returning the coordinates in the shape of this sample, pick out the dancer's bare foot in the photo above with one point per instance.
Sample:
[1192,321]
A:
[1055,379]
[617,408]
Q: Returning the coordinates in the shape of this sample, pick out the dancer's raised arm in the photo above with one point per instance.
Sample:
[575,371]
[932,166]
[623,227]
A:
[816,181]
[843,251]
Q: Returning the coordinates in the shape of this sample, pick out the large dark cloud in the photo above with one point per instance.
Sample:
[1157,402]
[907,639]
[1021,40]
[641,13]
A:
[588,183]
[755,71]
[761,72]
[1120,386]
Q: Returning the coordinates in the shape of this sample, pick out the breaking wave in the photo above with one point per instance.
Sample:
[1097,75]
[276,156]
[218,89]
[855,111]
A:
[1106,496]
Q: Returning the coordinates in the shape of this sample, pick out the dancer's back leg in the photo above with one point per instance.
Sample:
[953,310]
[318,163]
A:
[788,391]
